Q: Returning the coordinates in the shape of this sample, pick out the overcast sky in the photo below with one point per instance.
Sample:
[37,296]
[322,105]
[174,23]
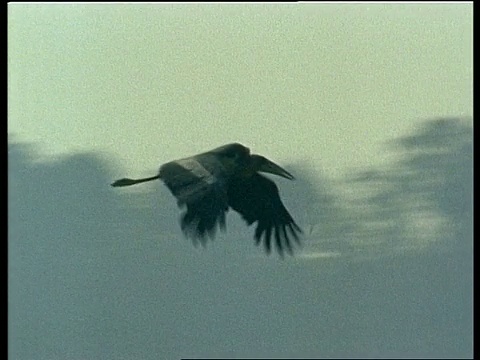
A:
[369,100]
[325,83]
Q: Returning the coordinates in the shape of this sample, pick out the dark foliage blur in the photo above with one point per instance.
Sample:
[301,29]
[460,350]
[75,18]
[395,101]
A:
[97,273]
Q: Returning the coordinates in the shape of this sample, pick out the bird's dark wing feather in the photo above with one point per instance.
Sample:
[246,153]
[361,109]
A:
[256,198]
[204,195]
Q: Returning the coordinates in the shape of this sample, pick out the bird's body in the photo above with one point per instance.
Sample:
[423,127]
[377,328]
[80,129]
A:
[210,183]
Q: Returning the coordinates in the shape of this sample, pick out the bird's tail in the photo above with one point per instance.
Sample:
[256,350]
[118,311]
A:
[128,182]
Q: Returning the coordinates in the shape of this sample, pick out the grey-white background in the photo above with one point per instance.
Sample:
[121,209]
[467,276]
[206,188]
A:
[368,105]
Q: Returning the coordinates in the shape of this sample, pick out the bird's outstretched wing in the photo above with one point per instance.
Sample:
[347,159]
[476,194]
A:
[204,195]
[257,199]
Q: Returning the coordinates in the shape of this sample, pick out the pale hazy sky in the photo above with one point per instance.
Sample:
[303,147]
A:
[148,83]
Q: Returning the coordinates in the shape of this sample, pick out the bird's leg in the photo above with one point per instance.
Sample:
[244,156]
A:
[128,182]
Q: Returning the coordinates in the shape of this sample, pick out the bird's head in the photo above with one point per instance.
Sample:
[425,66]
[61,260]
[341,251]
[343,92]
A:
[238,160]
[234,151]
[233,157]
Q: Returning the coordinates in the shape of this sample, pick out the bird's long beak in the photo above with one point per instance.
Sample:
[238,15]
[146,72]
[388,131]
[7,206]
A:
[267,166]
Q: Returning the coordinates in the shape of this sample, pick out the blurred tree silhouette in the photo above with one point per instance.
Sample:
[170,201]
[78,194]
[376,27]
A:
[73,247]
[440,172]
[424,199]
[328,222]
[101,274]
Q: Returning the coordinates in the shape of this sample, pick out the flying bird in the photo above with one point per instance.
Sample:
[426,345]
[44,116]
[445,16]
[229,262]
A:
[210,183]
